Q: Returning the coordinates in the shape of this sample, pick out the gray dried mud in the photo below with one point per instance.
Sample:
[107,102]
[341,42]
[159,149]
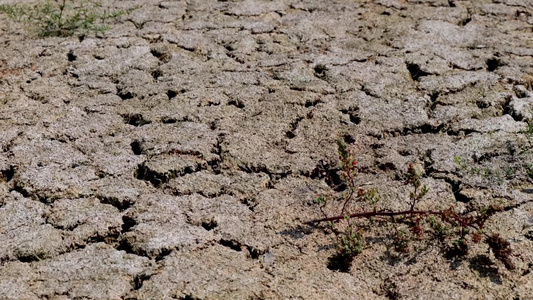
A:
[175,155]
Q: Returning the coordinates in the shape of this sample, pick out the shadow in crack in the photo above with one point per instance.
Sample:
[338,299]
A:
[298,231]
[483,264]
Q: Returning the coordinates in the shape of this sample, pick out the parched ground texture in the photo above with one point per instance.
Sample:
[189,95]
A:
[176,154]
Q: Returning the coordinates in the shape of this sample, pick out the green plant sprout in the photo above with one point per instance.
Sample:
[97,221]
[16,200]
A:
[356,203]
[459,161]
[495,174]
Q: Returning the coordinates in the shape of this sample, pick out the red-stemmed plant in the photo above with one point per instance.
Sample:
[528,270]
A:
[358,203]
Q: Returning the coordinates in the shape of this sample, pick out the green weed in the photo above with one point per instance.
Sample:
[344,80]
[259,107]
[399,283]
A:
[62,18]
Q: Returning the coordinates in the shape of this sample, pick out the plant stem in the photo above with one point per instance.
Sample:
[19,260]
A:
[410,212]
[379,213]
[61,9]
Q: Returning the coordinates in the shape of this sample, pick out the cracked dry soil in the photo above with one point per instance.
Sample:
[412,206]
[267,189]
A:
[174,156]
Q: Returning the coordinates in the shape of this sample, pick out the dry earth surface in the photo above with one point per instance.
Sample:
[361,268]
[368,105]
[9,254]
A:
[176,154]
